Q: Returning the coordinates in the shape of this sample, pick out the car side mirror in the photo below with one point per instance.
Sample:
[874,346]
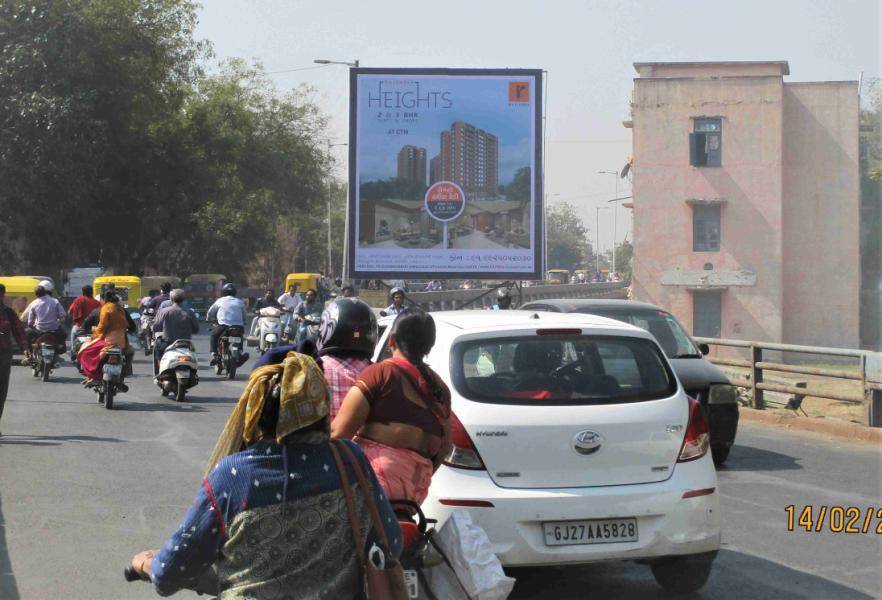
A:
[704,349]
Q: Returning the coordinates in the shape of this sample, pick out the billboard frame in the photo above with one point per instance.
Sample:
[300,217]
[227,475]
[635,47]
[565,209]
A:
[538,172]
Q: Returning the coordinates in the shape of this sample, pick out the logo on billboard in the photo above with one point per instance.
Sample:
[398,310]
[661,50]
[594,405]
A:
[518,91]
[445,201]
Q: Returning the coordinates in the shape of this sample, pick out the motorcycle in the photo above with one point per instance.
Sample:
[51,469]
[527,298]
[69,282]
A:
[79,339]
[145,335]
[308,329]
[178,368]
[229,348]
[45,352]
[266,333]
[111,382]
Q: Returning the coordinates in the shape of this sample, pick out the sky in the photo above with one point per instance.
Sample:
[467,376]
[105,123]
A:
[587,49]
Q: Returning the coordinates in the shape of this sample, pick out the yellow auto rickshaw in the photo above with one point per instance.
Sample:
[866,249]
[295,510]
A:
[305,281]
[128,287]
[19,291]
[557,276]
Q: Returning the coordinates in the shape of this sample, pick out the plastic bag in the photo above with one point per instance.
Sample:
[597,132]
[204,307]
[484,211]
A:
[478,571]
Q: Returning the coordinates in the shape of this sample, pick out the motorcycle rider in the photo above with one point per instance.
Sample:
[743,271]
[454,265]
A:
[46,316]
[80,309]
[268,300]
[10,329]
[142,305]
[228,311]
[156,302]
[346,340]
[175,323]
[310,308]
[348,291]
[503,299]
[289,301]
[397,307]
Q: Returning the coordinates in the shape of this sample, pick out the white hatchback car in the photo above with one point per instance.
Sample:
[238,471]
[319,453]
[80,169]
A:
[573,443]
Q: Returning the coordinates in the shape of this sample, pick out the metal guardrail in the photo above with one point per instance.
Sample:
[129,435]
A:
[869,374]
[485,298]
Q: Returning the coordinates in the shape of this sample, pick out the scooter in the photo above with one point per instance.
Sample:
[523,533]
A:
[308,329]
[178,368]
[229,347]
[111,382]
[146,332]
[266,333]
[45,352]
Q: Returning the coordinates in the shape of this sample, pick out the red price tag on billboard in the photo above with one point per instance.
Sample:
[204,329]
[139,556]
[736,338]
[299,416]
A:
[445,201]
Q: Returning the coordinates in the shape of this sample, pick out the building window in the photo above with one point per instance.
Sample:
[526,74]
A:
[705,227]
[707,314]
[706,143]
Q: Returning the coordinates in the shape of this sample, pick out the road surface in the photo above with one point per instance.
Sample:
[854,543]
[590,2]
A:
[82,488]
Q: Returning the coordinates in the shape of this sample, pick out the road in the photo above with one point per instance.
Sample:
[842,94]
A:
[82,488]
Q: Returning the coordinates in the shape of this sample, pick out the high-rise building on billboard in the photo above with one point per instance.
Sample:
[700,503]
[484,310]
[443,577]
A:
[412,164]
[470,158]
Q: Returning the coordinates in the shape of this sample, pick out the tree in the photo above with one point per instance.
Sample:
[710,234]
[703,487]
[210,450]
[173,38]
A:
[566,238]
[394,188]
[520,186]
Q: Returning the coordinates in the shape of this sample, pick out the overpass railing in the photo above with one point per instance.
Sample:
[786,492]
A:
[485,298]
[868,373]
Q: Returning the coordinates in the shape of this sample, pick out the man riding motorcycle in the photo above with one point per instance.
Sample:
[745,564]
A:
[227,311]
[347,336]
[503,299]
[268,301]
[156,302]
[397,307]
[308,310]
[80,309]
[174,323]
[46,316]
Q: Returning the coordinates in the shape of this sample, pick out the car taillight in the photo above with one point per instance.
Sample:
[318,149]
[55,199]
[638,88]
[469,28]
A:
[697,439]
[463,455]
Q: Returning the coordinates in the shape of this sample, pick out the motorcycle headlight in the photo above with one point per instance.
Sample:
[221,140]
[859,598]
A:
[722,393]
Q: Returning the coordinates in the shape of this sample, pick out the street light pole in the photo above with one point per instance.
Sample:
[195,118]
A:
[615,218]
[597,210]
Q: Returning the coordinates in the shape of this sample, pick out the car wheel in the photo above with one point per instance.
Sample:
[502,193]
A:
[720,454]
[683,574]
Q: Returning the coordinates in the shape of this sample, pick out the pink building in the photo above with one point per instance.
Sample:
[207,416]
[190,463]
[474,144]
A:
[746,201]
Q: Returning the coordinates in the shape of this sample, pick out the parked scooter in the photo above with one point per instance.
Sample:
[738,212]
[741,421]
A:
[45,352]
[178,368]
[111,382]
[266,332]
[230,349]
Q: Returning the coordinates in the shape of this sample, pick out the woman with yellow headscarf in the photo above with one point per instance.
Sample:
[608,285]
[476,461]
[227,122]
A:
[270,516]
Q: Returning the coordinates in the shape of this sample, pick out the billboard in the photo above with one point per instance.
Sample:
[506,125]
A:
[445,174]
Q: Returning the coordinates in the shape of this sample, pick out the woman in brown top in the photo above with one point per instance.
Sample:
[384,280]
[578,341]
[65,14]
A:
[399,412]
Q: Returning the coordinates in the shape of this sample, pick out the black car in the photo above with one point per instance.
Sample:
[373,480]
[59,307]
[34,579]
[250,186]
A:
[701,379]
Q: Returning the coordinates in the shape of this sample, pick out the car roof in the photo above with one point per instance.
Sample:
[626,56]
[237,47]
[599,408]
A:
[484,320]
[573,304]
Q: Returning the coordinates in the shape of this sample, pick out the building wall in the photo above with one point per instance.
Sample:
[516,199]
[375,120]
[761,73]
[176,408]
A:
[749,184]
[821,214]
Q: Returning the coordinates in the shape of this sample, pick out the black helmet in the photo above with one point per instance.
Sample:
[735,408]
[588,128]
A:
[348,325]
[229,289]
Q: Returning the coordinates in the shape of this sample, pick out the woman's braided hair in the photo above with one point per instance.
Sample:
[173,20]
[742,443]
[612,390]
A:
[414,335]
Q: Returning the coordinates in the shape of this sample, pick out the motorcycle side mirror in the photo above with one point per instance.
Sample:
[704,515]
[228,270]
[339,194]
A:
[704,349]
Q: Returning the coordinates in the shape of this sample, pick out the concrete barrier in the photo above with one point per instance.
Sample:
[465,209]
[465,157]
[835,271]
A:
[485,298]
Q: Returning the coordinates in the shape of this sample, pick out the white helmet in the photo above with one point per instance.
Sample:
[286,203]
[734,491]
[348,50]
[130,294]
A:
[47,285]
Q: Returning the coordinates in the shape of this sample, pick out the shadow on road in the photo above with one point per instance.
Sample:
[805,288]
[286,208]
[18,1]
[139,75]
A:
[158,406]
[8,589]
[51,440]
[747,458]
[735,575]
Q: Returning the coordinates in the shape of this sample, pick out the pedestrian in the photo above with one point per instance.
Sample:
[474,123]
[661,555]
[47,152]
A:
[270,515]
[399,412]
[10,327]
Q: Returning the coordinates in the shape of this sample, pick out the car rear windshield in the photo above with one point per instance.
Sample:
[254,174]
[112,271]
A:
[565,369]
[662,325]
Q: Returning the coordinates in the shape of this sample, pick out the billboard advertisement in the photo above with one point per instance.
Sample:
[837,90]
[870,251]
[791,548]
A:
[445,174]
